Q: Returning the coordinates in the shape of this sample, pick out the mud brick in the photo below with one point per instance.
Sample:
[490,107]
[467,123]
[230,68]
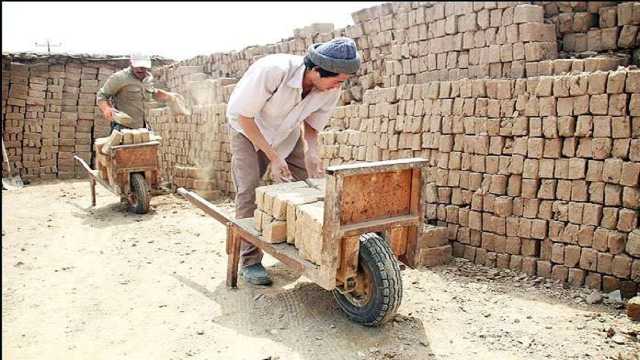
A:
[576,277]
[524,228]
[602,147]
[627,220]
[529,265]
[536,32]
[593,280]
[547,189]
[621,266]
[584,126]
[566,126]
[627,38]
[588,259]
[572,255]
[633,243]
[550,127]
[536,51]
[617,104]
[634,108]
[602,126]
[569,146]
[543,268]
[609,217]
[598,105]
[469,253]
[631,197]
[548,106]
[563,190]
[526,13]
[529,188]
[616,242]
[621,127]
[435,256]
[502,261]
[605,263]
[560,273]
[633,81]
[597,83]
[579,190]
[575,212]
[610,283]
[577,168]
[584,237]
[612,195]
[538,229]
[535,148]
[530,208]
[592,214]
[530,169]
[612,170]
[545,212]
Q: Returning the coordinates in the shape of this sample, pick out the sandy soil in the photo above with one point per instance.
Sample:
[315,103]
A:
[100,283]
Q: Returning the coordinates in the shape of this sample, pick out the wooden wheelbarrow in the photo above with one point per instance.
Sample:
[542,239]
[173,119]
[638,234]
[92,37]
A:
[373,217]
[128,171]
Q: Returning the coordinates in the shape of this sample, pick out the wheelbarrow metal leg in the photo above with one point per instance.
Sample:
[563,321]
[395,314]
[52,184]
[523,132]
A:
[93,192]
[233,260]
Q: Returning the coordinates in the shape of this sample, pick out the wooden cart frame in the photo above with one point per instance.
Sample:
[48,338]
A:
[384,197]
[122,162]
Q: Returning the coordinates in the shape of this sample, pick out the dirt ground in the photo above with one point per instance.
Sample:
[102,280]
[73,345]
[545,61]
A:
[99,283]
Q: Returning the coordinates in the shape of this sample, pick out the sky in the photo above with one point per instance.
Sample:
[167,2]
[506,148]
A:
[175,30]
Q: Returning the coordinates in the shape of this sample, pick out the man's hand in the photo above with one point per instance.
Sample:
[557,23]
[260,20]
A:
[108,113]
[280,171]
[313,164]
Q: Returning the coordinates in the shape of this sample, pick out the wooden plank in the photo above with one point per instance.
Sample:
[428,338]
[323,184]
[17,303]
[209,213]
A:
[284,252]
[376,166]
[415,232]
[349,251]
[204,205]
[135,156]
[375,196]
[398,240]
[378,225]
[331,236]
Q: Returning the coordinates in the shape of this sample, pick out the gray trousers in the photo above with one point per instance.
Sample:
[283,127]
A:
[248,166]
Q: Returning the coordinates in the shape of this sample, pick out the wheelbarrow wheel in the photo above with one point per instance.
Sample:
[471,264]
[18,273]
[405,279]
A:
[140,194]
[378,291]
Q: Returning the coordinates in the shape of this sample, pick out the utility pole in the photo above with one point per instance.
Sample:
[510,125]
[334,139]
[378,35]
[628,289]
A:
[48,45]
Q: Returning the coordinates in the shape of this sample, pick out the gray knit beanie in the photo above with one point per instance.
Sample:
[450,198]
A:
[338,55]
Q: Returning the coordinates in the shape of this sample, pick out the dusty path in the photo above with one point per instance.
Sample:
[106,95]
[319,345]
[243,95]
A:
[81,283]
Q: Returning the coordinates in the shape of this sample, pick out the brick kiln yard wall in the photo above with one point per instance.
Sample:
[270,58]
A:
[49,111]
[533,138]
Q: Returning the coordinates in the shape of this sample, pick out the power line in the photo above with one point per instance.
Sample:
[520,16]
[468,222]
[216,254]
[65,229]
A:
[49,45]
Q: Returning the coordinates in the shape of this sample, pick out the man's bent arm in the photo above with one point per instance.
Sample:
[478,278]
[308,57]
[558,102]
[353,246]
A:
[252,132]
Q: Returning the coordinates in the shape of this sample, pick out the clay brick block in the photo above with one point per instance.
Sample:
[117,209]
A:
[631,197]
[627,38]
[633,81]
[593,280]
[572,255]
[633,243]
[617,104]
[612,170]
[584,237]
[597,83]
[560,273]
[433,236]
[543,268]
[576,277]
[616,242]
[605,262]
[621,266]
[588,259]
[610,283]
[598,104]
[529,265]
[435,256]
[627,220]
[526,13]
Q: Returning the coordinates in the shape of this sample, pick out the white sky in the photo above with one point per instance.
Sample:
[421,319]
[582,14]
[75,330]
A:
[177,30]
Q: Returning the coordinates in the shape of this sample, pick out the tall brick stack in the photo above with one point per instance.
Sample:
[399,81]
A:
[49,111]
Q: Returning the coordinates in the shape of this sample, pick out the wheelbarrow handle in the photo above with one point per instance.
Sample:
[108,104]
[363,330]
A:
[202,203]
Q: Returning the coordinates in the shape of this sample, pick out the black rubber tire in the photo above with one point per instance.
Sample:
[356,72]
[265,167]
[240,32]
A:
[142,194]
[376,258]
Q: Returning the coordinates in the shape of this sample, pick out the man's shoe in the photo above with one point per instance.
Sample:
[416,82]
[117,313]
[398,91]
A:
[256,274]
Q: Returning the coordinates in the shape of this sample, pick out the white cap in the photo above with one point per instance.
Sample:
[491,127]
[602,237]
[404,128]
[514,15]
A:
[139,60]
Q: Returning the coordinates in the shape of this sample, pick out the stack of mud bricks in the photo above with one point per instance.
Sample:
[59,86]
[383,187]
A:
[292,213]
[538,175]
[50,114]
[15,91]
[595,26]
[199,141]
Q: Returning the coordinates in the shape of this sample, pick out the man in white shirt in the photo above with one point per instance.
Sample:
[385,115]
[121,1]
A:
[275,96]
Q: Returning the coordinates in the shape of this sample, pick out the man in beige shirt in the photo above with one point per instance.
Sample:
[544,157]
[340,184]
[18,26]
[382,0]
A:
[277,96]
[130,89]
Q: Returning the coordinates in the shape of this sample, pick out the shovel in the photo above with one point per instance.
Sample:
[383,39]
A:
[12,182]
